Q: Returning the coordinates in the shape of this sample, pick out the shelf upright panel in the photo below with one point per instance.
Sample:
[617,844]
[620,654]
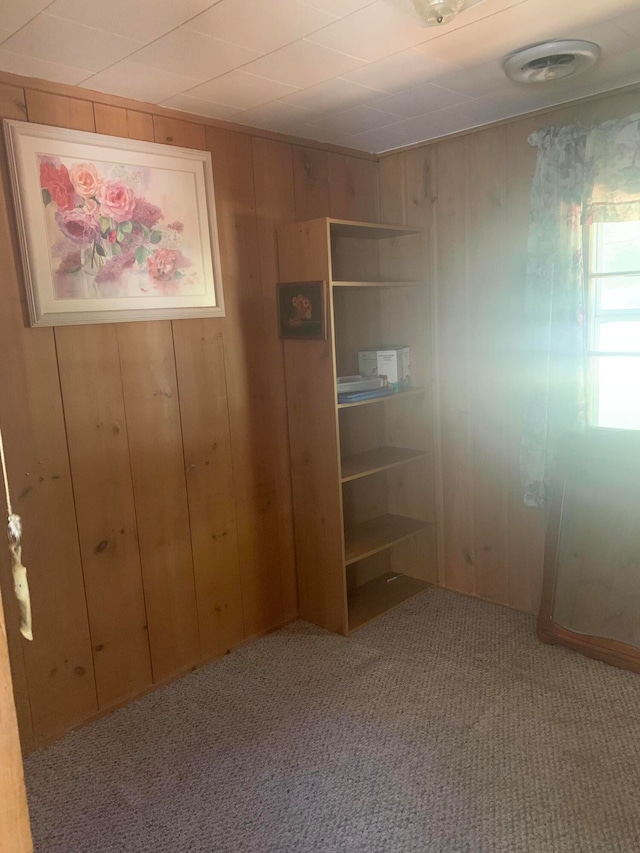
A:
[304,255]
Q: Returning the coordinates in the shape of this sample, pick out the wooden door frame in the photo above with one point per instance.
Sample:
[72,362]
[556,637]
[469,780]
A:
[15,830]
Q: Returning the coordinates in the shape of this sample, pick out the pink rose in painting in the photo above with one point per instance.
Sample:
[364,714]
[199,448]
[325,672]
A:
[55,179]
[84,178]
[165,263]
[77,226]
[116,200]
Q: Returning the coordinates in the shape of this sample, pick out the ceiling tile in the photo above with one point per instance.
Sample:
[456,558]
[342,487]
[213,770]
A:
[302,64]
[258,25]
[131,80]
[127,18]
[379,140]
[490,108]
[432,125]
[332,96]
[16,13]
[419,100]
[612,40]
[399,72]
[275,116]
[192,54]
[476,81]
[630,23]
[29,66]
[54,40]
[339,8]
[199,107]
[242,90]
[356,120]
[372,33]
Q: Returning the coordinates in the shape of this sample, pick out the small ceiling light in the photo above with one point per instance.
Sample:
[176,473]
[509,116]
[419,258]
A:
[437,12]
[551,60]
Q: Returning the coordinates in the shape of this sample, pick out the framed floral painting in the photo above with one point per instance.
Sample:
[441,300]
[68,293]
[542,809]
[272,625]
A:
[302,310]
[113,229]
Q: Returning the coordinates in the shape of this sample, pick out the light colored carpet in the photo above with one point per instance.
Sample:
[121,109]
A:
[442,726]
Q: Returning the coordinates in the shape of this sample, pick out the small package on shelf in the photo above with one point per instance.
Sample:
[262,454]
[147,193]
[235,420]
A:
[389,362]
[352,384]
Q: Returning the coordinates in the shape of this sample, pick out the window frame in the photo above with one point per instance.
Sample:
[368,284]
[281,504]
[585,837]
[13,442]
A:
[593,317]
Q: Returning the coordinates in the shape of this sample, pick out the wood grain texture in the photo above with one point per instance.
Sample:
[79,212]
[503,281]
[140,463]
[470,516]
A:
[117,121]
[12,102]
[353,188]
[59,110]
[160,493]
[15,832]
[200,365]
[251,413]
[275,205]
[186,134]
[489,362]
[58,664]
[89,367]
[311,183]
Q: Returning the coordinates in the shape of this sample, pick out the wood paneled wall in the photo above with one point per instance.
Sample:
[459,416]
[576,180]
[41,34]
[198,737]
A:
[472,192]
[149,461]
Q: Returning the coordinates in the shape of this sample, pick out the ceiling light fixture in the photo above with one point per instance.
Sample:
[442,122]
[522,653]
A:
[436,13]
[551,60]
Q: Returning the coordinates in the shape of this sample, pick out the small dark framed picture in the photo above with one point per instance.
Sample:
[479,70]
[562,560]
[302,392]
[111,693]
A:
[302,310]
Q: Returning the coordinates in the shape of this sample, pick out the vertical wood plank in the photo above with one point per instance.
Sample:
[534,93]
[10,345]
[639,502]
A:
[453,324]
[59,665]
[488,361]
[171,131]
[526,524]
[247,374]
[353,184]
[275,205]
[117,121]
[96,427]
[12,102]
[15,832]
[157,465]
[311,183]
[59,110]
[206,438]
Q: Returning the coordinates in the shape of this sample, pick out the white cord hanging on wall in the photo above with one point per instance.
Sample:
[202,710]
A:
[14,533]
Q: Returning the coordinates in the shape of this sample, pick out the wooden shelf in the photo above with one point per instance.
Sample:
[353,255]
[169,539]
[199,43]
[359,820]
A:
[370,600]
[395,283]
[377,535]
[368,230]
[380,459]
[412,392]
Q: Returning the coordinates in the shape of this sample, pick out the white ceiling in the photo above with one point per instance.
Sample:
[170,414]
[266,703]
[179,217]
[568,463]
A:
[360,73]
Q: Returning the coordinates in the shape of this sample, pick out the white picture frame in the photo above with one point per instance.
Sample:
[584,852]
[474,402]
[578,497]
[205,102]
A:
[113,230]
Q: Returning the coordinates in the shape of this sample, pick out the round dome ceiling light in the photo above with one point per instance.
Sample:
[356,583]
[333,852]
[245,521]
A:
[438,12]
[550,60]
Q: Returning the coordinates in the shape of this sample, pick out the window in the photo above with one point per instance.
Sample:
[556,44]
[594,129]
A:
[613,348]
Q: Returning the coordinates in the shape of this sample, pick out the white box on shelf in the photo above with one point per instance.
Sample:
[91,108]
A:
[388,361]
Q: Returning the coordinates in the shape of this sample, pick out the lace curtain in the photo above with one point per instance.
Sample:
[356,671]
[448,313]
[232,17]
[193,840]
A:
[582,175]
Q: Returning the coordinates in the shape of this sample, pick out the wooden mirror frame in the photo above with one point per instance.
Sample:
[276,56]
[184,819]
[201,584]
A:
[578,450]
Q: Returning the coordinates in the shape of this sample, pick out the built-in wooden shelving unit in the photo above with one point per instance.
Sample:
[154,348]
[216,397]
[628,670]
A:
[361,471]
[369,462]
